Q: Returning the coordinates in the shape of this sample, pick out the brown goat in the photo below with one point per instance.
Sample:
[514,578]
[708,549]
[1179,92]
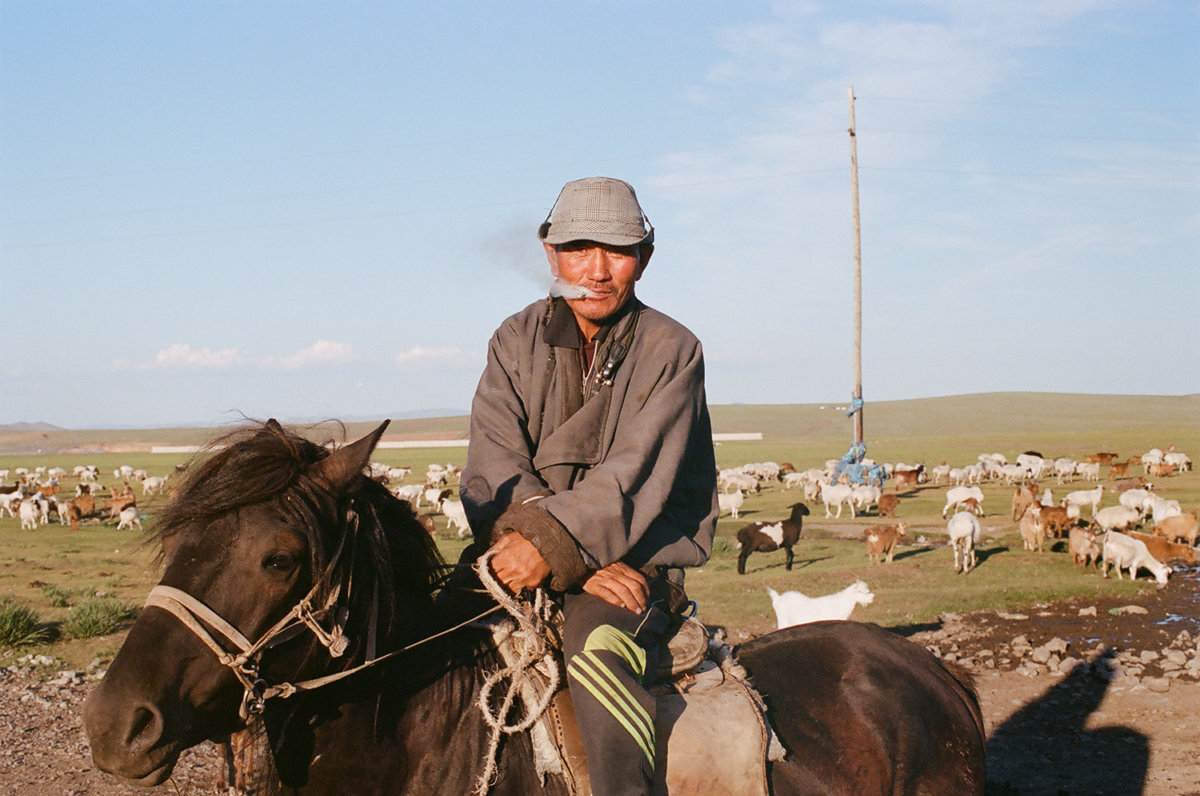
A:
[1181,526]
[887,505]
[1164,550]
[882,540]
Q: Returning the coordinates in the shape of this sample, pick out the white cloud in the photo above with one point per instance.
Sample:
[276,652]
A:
[322,352]
[423,357]
[182,355]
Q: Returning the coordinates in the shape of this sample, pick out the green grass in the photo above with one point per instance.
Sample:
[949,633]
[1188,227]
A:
[54,568]
[20,625]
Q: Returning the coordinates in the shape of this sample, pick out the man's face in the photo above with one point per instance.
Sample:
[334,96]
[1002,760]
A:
[609,272]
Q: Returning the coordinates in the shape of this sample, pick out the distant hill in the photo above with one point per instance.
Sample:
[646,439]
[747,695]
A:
[24,426]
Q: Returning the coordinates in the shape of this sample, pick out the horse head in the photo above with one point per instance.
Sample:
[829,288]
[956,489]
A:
[260,548]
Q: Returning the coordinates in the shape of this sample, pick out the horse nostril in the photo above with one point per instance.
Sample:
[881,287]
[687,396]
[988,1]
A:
[145,729]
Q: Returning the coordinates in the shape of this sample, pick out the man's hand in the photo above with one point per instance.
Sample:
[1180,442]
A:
[518,564]
[620,585]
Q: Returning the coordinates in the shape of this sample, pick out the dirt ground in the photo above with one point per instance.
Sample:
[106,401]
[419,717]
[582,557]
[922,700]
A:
[1095,730]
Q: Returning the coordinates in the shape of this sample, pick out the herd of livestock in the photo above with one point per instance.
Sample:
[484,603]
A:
[1143,529]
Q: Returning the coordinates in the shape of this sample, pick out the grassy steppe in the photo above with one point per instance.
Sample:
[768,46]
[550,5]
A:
[39,567]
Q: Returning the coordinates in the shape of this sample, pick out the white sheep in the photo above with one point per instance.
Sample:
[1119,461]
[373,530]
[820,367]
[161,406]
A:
[1182,461]
[1161,508]
[965,532]
[1064,468]
[1090,471]
[1117,518]
[794,608]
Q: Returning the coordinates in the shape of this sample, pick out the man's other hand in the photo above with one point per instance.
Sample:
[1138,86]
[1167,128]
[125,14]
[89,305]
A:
[620,585]
[518,564]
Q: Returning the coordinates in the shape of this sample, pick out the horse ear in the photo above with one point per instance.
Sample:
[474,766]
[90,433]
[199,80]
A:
[337,470]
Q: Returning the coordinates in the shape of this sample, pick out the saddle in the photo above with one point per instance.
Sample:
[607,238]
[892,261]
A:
[712,731]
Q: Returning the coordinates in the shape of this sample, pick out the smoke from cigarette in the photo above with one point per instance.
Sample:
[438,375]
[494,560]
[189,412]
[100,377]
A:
[569,290]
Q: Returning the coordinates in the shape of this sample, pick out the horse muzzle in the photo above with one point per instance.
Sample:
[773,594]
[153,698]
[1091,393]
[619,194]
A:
[127,741]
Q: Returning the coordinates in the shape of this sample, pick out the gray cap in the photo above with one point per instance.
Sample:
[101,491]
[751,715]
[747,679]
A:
[602,209]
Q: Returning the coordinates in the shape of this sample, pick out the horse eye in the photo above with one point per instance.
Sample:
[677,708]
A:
[282,563]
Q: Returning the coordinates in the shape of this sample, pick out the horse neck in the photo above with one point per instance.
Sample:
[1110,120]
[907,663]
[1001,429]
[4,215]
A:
[410,728]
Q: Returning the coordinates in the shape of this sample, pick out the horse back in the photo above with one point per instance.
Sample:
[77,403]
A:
[862,710]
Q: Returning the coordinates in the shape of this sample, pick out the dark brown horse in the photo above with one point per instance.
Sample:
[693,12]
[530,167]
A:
[284,564]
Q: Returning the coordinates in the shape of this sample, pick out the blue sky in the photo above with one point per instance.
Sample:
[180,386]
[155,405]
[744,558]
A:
[324,209]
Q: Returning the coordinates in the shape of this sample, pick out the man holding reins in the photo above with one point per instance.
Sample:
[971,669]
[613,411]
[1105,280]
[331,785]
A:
[590,469]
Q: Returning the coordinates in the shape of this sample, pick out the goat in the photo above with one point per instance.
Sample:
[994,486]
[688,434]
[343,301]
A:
[1126,484]
[1127,553]
[766,537]
[1101,458]
[836,495]
[882,540]
[1181,461]
[456,516]
[1161,508]
[1164,550]
[29,514]
[887,505]
[731,502]
[1086,497]
[410,492]
[129,517]
[909,478]
[1083,547]
[1181,526]
[794,608]
[965,532]
[1025,496]
[1033,532]
[1117,518]
[1160,469]
[956,495]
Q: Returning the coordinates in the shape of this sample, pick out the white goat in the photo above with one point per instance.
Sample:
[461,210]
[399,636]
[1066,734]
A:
[1117,518]
[794,608]
[1125,552]
[410,492]
[129,517]
[456,516]
[1086,497]
[731,502]
[965,531]
[957,495]
[836,495]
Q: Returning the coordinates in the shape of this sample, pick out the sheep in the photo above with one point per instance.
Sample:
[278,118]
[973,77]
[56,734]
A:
[1089,471]
[1117,518]
[1181,526]
[792,480]
[730,502]
[887,505]
[1083,547]
[1160,469]
[765,537]
[956,495]
[434,495]
[1127,553]
[794,608]
[882,540]
[456,516]
[130,516]
[733,479]
[965,532]
[1152,456]
[1164,550]
[1086,497]
[398,473]
[940,472]
[7,502]
[836,495]
[1033,532]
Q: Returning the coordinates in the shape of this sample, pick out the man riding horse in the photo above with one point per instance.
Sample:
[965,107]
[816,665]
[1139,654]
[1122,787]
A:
[590,469]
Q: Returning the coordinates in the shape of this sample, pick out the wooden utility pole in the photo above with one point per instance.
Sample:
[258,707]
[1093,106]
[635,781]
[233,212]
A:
[857,402]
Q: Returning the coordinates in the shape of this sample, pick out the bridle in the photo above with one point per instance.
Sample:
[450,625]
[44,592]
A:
[246,661]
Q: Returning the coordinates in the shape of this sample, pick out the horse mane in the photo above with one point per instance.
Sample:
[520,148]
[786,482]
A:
[263,462]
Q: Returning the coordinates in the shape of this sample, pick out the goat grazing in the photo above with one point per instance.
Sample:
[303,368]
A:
[1125,552]
[956,496]
[965,532]
[1084,549]
[766,537]
[794,608]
